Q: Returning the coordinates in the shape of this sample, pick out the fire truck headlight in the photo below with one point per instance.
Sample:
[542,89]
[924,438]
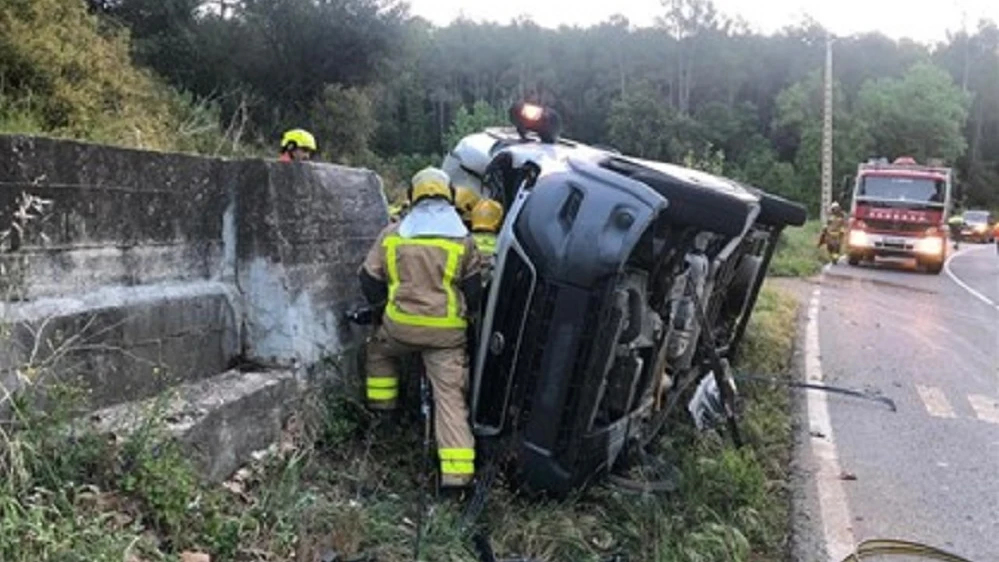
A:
[858,239]
[931,245]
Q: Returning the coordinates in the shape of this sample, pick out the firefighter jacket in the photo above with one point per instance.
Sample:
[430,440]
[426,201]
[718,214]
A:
[836,224]
[431,275]
[486,243]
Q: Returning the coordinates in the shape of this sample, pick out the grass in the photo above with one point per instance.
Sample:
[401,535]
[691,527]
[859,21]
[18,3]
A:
[797,254]
[347,485]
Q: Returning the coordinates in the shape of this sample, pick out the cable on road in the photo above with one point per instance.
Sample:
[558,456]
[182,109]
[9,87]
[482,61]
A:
[835,389]
[875,547]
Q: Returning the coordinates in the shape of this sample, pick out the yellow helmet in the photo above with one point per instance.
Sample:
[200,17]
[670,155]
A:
[487,216]
[430,182]
[465,200]
[300,138]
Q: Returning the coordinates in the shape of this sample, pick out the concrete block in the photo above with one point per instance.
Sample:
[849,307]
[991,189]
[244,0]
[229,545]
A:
[223,419]
[112,196]
[39,273]
[123,344]
[302,232]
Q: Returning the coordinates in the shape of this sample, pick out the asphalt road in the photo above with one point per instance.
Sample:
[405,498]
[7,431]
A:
[930,471]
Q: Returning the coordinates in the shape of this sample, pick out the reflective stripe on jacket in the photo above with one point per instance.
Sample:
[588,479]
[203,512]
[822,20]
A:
[425,304]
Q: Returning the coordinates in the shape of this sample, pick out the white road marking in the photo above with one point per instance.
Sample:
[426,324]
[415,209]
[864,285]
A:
[964,285]
[986,407]
[836,521]
[935,401]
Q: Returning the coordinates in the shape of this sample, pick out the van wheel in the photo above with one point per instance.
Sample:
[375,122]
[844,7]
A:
[853,259]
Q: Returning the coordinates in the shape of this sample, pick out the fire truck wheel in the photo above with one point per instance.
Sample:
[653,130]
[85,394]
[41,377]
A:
[933,267]
[853,259]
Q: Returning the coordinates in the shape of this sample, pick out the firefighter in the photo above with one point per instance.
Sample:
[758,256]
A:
[487,216]
[954,224]
[426,272]
[398,210]
[832,233]
[465,200]
[297,145]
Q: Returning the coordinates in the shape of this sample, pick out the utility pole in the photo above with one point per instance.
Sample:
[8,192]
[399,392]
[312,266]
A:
[827,130]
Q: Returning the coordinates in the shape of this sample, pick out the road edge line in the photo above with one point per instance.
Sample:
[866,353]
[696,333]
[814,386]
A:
[971,290]
[834,511]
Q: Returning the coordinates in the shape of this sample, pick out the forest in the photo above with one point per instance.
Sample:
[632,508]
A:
[385,89]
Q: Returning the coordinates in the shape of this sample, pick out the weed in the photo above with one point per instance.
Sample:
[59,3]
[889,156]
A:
[345,483]
[797,253]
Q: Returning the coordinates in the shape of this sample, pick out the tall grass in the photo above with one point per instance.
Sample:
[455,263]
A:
[798,254]
[348,485]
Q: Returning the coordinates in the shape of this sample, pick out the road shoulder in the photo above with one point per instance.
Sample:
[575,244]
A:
[806,543]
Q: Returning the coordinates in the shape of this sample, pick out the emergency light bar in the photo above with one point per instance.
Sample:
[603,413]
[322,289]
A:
[529,117]
[905,163]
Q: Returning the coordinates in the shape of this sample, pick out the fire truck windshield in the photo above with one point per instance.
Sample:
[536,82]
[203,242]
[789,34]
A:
[902,188]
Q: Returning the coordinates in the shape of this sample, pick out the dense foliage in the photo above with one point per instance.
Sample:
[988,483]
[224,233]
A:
[380,86]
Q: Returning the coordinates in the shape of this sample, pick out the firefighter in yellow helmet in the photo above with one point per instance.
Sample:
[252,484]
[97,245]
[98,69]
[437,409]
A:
[426,272]
[487,216]
[465,200]
[297,145]
[398,210]
[954,224]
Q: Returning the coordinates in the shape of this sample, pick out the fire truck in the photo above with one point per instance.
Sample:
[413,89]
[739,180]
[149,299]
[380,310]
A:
[899,210]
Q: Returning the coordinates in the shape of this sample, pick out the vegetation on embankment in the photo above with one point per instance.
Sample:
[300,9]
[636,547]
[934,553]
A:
[66,74]
[343,484]
[798,253]
[387,90]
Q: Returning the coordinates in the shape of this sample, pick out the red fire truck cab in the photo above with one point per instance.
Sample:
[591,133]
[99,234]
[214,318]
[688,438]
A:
[899,210]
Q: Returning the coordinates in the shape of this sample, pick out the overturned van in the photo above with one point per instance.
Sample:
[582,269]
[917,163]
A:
[617,280]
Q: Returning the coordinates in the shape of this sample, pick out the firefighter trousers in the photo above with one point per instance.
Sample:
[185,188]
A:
[447,370]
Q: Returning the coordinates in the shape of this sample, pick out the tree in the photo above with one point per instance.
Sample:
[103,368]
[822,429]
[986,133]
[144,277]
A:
[640,123]
[695,80]
[467,122]
[973,60]
[691,24]
[922,114]
[61,73]
[798,135]
[344,124]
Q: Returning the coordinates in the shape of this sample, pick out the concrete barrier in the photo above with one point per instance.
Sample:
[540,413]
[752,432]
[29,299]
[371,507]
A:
[153,270]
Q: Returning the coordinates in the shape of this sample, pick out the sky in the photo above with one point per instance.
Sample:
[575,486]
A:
[922,20]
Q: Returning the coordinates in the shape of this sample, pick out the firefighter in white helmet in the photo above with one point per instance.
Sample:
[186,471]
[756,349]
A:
[426,270]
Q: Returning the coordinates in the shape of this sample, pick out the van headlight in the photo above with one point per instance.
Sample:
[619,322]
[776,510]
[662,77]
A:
[858,238]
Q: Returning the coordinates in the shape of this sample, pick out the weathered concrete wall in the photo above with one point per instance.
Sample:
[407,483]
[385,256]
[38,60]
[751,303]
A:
[152,269]
[302,231]
[119,217]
